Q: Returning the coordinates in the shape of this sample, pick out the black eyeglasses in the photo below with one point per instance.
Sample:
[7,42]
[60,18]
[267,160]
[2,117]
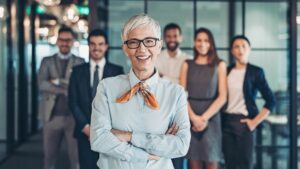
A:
[135,43]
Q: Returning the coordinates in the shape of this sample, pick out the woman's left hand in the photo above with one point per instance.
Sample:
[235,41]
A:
[250,123]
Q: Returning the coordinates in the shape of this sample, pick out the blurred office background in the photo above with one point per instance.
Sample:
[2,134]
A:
[28,33]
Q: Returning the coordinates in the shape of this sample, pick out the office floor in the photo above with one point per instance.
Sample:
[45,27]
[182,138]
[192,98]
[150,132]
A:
[30,156]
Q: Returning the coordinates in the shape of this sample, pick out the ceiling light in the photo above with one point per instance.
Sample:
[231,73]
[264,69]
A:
[50,2]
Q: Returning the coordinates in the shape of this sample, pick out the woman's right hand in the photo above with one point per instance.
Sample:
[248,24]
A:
[199,123]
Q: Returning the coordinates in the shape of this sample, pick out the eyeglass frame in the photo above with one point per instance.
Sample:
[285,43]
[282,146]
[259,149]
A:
[142,41]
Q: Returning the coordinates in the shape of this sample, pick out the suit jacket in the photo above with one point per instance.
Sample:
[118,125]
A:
[255,81]
[50,68]
[80,92]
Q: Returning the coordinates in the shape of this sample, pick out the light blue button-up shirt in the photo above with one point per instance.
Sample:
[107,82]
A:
[148,126]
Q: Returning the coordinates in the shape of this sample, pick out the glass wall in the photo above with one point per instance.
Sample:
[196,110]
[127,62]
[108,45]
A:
[119,12]
[213,15]
[267,28]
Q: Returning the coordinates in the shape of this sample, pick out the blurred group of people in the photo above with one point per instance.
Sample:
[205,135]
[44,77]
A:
[169,106]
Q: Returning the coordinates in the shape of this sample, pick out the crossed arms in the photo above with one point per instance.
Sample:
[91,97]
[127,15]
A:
[138,146]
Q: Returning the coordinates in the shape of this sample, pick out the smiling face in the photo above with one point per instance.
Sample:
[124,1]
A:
[142,58]
[97,47]
[202,44]
[240,50]
[65,42]
[172,38]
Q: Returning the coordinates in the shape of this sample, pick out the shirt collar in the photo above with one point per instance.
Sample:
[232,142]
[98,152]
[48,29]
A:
[63,56]
[101,63]
[150,81]
[178,54]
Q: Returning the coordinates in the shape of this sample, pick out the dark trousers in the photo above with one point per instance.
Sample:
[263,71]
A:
[238,143]
[178,162]
[87,158]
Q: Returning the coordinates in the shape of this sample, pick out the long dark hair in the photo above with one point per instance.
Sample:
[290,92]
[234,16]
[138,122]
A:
[213,58]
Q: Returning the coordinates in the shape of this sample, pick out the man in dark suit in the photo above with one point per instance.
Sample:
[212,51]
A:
[82,89]
[53,78]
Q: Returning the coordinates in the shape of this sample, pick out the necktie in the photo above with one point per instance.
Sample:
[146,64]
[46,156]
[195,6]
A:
[95,81]
[149,98]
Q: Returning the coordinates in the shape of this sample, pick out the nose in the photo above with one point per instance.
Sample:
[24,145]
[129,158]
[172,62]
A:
[241,49]
[97,47]
[142,47]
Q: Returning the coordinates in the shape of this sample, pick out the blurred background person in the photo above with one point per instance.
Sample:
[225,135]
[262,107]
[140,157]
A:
[204,78]
[83,85]
[169,61]
[241,116]
[53,81]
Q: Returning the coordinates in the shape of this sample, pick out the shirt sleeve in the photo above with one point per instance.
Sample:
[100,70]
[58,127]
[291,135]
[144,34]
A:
[44,77]
[102,140]
[168,146]
[73,100]
[265,90]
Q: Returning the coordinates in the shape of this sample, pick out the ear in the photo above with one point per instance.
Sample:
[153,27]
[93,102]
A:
[106,47]
[160,44]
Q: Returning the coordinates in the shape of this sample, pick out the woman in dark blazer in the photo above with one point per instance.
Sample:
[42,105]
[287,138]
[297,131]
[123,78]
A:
[241,115]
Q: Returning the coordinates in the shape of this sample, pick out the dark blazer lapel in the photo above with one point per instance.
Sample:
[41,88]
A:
[106,69]
[69,66]
[246,81]
[87,75]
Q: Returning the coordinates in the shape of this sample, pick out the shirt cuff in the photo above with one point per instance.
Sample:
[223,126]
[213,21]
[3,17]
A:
[139,139]
[141,155]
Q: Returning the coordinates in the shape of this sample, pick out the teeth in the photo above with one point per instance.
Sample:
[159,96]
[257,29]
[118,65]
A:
[143,57]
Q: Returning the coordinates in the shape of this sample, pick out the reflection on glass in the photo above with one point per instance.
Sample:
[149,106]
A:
[266,24]
[119,13]
[183,16]
[214,16]
[118,57]
[274,64]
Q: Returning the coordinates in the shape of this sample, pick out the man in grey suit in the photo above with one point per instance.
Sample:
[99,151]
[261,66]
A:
[54,112]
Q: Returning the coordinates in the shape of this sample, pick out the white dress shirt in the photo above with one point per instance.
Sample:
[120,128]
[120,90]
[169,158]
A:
[169,67]
[93,64]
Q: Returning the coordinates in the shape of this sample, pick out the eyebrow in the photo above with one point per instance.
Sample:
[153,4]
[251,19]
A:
[144,38]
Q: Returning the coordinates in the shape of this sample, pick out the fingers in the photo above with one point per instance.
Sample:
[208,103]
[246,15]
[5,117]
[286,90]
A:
[153,157]
[174,132]
[114,131]
[170,130]
[199,127]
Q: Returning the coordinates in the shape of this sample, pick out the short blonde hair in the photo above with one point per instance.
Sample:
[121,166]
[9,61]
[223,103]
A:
[140,20]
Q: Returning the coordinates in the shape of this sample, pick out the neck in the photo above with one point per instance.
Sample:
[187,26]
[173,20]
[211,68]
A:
[143,75]
[201,59]
[97,60]
[239,65]
[64,54]
[172,53]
